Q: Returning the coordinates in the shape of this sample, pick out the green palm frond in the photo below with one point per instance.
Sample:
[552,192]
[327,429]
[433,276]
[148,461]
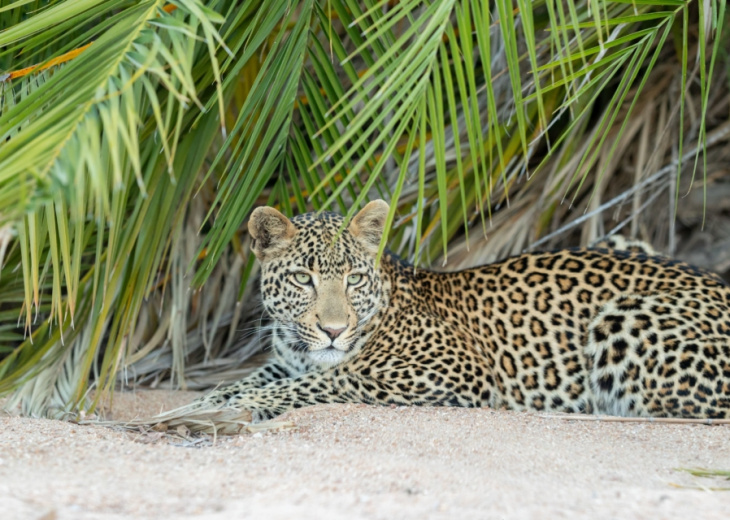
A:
[126,173]
[89,159]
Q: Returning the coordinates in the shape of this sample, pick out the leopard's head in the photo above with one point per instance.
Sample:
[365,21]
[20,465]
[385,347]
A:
[323,291]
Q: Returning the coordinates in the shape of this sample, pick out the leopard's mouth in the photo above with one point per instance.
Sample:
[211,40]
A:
[331,348]
[328,355]
[304,347]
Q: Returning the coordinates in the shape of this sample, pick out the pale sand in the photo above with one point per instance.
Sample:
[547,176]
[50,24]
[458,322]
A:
[356,461]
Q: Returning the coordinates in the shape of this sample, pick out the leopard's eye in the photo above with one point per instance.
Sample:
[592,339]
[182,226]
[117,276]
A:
[354,279]
[303,278]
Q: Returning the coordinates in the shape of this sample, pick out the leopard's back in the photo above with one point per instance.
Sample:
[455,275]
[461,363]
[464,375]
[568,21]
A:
[563,330]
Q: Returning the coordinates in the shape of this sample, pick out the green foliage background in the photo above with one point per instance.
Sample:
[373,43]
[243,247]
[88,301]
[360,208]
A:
[127,172]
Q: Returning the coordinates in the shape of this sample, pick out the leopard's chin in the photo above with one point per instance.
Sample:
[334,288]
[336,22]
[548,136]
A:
[327,356]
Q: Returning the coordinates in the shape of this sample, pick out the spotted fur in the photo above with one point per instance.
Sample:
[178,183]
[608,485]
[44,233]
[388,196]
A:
[582,330]
[624,244]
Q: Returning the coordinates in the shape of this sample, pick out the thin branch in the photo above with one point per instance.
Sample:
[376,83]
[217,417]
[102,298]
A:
[655,420]
[719,133]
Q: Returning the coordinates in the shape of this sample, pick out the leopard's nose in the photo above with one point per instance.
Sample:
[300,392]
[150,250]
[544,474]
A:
[333,332]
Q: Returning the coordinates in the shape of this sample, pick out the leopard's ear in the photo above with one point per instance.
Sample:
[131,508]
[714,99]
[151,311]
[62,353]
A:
[367,226]
[271,232]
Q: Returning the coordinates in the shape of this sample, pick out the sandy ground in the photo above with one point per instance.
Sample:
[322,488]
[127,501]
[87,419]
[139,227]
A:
[356,461]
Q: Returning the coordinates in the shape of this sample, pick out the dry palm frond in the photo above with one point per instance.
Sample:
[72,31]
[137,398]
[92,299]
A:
[194,419]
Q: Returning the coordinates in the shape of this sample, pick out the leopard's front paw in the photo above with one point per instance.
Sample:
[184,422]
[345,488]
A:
[258,408]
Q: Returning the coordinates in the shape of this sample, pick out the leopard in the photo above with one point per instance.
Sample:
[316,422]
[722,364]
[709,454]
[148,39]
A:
[605,330]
